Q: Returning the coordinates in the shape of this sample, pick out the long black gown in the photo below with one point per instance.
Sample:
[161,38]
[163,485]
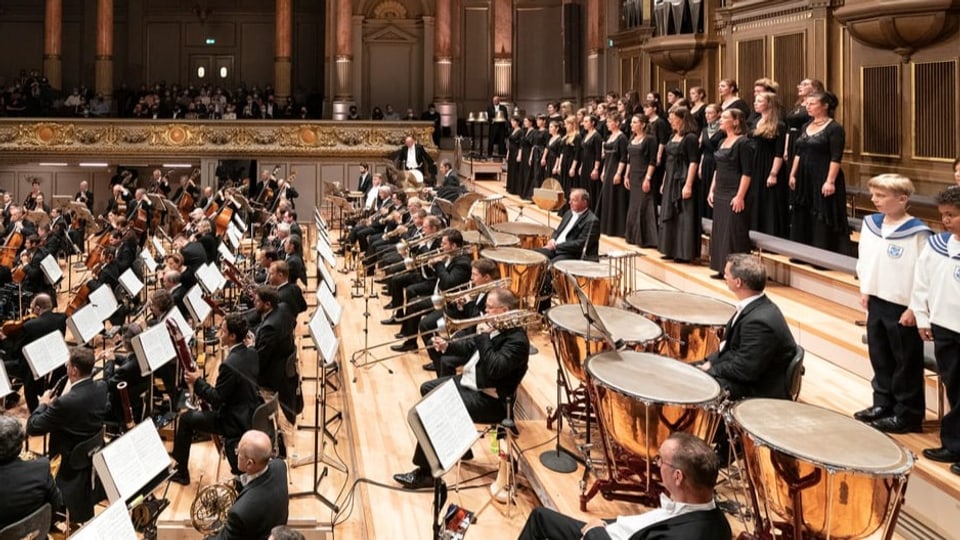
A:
[513,168]
[817,220]
[590,150]
[569,154]
[708,145]
[553,157]
[526,167]
[614,198]
[537,171]
[660,128]
[679,222]
[731,230]
[769,205]
[795,119]
[642,213]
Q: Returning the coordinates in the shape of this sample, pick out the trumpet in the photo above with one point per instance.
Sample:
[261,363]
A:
[400,229]
[439,301]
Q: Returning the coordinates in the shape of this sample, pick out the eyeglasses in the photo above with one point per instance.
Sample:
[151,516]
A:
[658,461]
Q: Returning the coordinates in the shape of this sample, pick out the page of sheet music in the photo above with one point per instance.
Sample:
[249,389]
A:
[131,282]
[233,235]
[134,459]
[198,307]
[85,323]
[154,348]
[238,221]
[448,424]
[327,278]
[46,354]
[331,306]
[105,302]
[225,252]
[113,523]
[51,269]
[323,337]
[4,382]
[157,245]
[185,327]
[148,260]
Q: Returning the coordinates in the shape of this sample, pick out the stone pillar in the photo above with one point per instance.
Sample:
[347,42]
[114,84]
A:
[343,60]
[283,57]
[53,43]
[503,50]
[104,58]
[443,66]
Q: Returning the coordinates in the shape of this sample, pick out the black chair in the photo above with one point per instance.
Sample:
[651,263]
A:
[795,371]
[265,420]
[36,525]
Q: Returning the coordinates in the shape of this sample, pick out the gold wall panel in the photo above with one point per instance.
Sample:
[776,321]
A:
[880,110]
[935,109]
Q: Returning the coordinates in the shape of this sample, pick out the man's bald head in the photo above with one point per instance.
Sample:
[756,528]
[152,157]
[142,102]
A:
[257,447]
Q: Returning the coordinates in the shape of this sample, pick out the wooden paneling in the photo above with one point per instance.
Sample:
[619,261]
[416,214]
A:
[161,63]
[881,110]
[751,65]
[935,109]
[255,61]
[538,55]
[477,57]
[789,67]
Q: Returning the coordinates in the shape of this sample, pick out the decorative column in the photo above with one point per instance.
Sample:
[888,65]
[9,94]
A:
[594,69]
[104,58]
[443,66]
[283,57]
[503,49]
[343,60]
[53,43]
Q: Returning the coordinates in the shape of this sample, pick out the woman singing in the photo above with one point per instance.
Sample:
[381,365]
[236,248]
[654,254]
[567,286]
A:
[797,117]
[679,222]
[613,195]
[570,157]
[728,192]
[641,227]
[710,137]
[698,105]
[820,195]
[525,187]
[660,130]
[730,96]
[538,165]
[551,158]
[513,155]
[590,151]
[768,199]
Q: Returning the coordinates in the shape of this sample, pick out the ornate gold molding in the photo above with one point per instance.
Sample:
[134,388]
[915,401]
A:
[21,138]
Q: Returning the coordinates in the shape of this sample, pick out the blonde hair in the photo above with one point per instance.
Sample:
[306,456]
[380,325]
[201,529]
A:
[571,133]
[767,124]
[892,182]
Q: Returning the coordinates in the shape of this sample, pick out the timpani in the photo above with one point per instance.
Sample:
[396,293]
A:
[693,324]
[525,268]
[532,235]
[599,281]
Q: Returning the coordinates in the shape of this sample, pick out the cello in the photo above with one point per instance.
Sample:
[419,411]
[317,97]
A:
[11,246]
[186,203]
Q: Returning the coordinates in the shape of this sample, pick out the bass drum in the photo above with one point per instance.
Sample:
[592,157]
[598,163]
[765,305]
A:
[816,473]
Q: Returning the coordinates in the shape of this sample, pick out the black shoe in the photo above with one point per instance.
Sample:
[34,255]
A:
[338,251]
[181,478]
[468,456]
[873,413]
[897,424]
[391,320]
[415,479]
[942,455]
[406,346]
[716,276]
[391,305]
[955,468]
[399,335]
[429,367]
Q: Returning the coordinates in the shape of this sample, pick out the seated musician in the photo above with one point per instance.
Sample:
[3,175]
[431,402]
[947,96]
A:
[289,294]
[117,205]
[40,205]
[70,419]
[397,281]
[483,271]
[160,182]
[172,282]
[294,259]
[206,199]
[275,347]
[497,362]
[5,213]
[140,211]
[758,346]
[34,281]
[29,484]
[84,195]
[398,222]
[208,240]
[126,241]
[194,256]
[413,157]
[451,269]
[578,234]
[290,218]
[126,368]
[689,468]
[262,501]
[45,321]
[173,262]
[160,304]
[282,532]
[265,258]
[371,225]
[19,223]
[387,254]
[232,401]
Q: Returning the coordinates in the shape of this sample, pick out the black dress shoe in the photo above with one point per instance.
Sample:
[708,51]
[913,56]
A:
[391,305]
[897,424]
[406,346]
[181,478]
[391,320]
[429,367]
[415,479]
[873,413]
[955,468]
[716,276]
[943,455]
[399,335]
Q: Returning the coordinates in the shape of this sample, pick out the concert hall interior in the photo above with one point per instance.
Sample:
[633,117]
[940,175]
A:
[687,263]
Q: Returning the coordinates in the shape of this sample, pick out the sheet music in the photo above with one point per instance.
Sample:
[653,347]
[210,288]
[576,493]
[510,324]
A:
[225,252]
[198,307]
[85,323]
[327,278]
[185,327]
[113,523]
[323,337]
[46,354]
[51,269]
[105,302]
[239,222]
[330,305]
[4,382]
[153,348]
[323,249]
[157,245]
[207,278]
[131,282]
[129,463]
[233,235]
[148,260]
[447,423]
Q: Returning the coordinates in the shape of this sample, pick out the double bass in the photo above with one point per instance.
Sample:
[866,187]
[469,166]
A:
[186,203]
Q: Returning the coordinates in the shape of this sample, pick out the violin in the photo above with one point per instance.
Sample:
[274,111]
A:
[12,329]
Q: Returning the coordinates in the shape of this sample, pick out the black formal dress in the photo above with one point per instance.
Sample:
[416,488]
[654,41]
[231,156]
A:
[71,419]
[769,205]
[591,150]
[514,168]
[739,104]
[260,506]
[232,402]
[538,170]
[570,150]
[546,524]
[614,199]
[731,230]
[28,486]
[525,186]
[554,146]
[660,128]
[641,226]
[795,119]
[817,220]
[679,222]
[710,139]
[756,351]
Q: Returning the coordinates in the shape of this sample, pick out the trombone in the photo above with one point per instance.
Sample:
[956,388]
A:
[440,301]
[405,246]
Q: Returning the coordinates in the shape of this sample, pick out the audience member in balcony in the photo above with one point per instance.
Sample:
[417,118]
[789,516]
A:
[390,115]
[819,192]
[377,113]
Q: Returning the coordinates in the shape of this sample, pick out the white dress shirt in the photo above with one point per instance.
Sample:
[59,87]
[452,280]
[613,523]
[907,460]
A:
[626,526]
[562,237]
